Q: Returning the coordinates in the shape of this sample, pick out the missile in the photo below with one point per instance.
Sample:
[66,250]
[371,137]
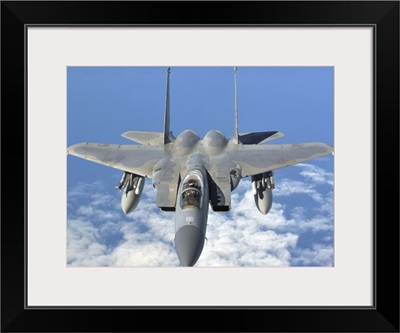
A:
[262,185]
[133,188]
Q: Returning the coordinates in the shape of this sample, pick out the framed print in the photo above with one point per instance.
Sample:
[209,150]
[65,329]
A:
[74,73]
[237,237]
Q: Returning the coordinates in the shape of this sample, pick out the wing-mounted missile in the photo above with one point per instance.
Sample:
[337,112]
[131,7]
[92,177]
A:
[263,184]
[133,187]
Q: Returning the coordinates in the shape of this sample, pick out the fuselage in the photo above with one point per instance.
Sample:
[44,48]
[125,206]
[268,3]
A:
[194,174]
[193,195]
[206,175]
[191,216]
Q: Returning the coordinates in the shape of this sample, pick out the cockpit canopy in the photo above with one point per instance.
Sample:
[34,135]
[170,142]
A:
[192,191]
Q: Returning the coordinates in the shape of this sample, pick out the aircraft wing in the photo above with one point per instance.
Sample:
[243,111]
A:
[132,158]
[254,159]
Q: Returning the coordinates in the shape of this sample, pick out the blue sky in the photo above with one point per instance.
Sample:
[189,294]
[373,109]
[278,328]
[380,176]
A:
[104,102]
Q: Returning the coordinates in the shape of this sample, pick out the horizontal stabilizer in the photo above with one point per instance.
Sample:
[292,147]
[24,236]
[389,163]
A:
[259,137]
[145,138]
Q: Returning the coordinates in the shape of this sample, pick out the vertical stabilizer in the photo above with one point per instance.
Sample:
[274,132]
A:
[167,133]
[236,135]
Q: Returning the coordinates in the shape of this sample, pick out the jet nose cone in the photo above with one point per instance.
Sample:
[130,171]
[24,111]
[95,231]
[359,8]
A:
[189,242]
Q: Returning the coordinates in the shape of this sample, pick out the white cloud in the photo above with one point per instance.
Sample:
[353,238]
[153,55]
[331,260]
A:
[315,174]
[99,234]
[84,248]
[318,255]
[85,210]
[243,248]
[289,187]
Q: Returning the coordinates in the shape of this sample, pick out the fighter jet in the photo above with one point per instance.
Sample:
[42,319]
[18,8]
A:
[191,174]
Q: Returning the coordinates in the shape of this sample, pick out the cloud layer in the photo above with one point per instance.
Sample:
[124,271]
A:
[298,231]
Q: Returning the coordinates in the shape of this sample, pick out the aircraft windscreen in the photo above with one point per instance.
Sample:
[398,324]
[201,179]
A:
[191,193]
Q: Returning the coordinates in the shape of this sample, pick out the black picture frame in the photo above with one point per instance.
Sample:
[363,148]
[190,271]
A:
[383,316]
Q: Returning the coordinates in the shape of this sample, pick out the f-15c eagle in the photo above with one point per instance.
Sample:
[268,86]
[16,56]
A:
[192,173]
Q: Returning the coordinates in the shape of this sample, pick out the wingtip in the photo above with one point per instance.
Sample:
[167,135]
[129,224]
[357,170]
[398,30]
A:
[330,149]
[71,149]
[326,149]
